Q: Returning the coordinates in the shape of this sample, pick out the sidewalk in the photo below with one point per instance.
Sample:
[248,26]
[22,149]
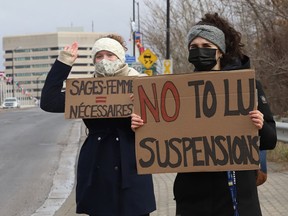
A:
[273,194]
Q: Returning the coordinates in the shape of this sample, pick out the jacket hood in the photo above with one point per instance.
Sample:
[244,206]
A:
[238,64]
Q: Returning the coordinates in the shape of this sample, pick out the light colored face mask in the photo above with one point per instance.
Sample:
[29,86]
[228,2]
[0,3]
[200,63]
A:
[107,68]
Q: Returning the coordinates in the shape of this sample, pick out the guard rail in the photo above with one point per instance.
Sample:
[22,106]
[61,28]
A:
[282,131]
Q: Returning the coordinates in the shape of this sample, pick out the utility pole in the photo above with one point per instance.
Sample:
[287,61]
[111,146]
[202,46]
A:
[167,63]
[168,31]
[13,70]
[13,81]
[37,87]
[138,16]
[133,29]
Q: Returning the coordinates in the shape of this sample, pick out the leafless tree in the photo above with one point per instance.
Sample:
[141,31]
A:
[263,24]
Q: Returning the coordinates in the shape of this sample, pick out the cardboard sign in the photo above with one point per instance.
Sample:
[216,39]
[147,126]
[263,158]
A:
[196,122]
[98,97]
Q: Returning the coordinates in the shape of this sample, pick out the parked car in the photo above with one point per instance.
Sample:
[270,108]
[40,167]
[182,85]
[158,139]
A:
[11,102]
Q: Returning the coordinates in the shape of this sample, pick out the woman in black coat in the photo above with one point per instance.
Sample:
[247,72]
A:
[215,45]
[107,179]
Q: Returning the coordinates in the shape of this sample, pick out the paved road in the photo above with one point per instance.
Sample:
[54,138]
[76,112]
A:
[273,194]
[30,145]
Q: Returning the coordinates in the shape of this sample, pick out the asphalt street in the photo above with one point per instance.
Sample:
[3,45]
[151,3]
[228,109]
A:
[31,143]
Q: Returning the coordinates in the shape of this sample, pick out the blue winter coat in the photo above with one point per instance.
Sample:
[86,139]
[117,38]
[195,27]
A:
[107,179]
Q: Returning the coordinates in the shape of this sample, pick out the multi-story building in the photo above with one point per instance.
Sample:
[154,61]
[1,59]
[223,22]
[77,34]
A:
[28,58]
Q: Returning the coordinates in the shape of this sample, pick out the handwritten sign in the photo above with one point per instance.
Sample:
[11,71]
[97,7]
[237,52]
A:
[98,97]
[196,122]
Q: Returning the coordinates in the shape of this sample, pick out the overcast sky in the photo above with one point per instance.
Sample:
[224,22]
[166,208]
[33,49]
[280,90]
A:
[45,16]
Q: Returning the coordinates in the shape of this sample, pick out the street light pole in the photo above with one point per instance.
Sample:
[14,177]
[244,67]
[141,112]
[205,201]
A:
[168,31]
[13,72]
[37,87]
[133,29]
[138,13]
[13,88]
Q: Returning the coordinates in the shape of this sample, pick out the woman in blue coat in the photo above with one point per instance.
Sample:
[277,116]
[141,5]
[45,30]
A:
[107,179]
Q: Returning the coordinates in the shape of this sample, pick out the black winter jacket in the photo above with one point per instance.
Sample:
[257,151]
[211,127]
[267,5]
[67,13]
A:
[107,179]
[207,193]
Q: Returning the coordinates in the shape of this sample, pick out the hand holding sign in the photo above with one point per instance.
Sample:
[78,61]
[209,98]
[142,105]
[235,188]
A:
[257,118]
[136,121]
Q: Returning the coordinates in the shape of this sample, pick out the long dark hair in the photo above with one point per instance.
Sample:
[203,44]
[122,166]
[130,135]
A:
[234,46]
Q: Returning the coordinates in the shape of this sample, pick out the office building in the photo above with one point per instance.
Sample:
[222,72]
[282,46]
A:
[28,58]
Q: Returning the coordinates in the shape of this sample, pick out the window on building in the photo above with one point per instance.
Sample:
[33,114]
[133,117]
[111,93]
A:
[39,57]
[40,65]
[24,74]
[22,59]
[39,49]
[22,66]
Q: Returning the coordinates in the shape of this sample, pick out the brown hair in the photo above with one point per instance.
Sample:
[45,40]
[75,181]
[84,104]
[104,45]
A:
[234,47]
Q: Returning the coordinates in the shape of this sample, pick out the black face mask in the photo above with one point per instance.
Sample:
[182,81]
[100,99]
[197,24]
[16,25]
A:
[203,59]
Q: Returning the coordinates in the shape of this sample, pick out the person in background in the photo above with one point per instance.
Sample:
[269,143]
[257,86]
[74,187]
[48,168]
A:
[214,45]
[107,179]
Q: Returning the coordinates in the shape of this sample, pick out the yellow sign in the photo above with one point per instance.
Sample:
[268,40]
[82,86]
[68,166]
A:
[149,72]
[147,58]
[167,66]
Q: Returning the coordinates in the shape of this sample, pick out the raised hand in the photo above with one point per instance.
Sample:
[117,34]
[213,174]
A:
[69,54]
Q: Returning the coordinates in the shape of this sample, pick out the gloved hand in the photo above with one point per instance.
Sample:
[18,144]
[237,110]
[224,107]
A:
[69,54]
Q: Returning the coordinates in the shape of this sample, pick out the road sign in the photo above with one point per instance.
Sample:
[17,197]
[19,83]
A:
[167,66]
[130,59]
[149,72]
[137,66]
[141,69]
[147,58]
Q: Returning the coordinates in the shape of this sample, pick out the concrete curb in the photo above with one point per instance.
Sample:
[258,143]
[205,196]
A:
[63,181]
